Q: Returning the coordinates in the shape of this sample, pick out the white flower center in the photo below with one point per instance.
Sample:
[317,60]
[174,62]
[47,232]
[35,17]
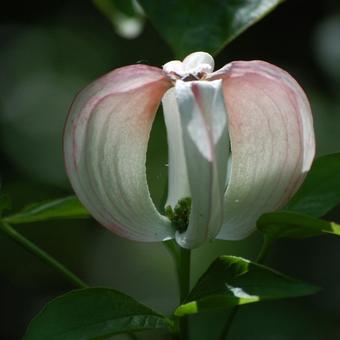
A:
[195,66]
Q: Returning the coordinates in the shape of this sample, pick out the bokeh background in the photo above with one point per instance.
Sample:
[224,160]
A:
[50,50]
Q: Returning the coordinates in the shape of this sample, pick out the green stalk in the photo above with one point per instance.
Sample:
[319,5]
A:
[7,229]
[184,287]
[182,258]
[229,322]
[266,245]
[184,273]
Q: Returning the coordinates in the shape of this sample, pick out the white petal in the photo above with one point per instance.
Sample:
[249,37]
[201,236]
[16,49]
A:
[178,184]
[175,66]
[205,139]
[198,62]
[272,142]
[105,143]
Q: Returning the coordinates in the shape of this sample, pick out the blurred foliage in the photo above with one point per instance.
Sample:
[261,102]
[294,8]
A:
[327,47]
[48,52]
[43,68]
[126,16]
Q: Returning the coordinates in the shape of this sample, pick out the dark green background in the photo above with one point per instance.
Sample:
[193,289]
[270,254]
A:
[48,51]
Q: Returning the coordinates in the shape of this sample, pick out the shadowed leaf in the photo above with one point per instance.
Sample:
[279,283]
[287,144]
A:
[92,313]
[190,26]
[295,225]
[63,208]
[320,191]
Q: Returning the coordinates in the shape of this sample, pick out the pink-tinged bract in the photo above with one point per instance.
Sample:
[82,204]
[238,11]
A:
[272,142]
[105,144]
[240,142]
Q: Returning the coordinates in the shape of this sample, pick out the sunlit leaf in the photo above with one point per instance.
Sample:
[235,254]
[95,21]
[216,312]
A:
[232,280]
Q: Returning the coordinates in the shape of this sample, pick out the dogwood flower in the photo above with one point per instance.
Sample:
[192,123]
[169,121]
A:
[240,143]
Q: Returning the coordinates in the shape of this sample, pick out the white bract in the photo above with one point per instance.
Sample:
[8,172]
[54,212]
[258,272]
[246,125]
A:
[240,143]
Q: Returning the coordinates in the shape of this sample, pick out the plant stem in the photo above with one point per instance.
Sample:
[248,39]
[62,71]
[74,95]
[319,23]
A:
[184,287]
[266,244]
[174,251]
[35,250]
[229,322]
[184,273]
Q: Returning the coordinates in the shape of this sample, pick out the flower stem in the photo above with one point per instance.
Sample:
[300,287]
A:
[184,273]
[182,259]
[35,250]
[266,244]
[174,251]
[184,287]
[228,323]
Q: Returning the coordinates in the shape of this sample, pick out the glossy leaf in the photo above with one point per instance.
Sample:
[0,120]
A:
[232,280]
[68,207]
[92,313]
[125,6]
[202,25]
[295,225]
[109,7]
[321,190]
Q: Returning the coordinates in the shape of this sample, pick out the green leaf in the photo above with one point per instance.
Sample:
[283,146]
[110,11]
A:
[92,313]
[295,225]
[202,25]
[125,6]
[109,7]
[68,207]
[321,190]
[232,280]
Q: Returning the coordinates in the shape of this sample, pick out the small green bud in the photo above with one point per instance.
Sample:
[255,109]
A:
[179,216]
